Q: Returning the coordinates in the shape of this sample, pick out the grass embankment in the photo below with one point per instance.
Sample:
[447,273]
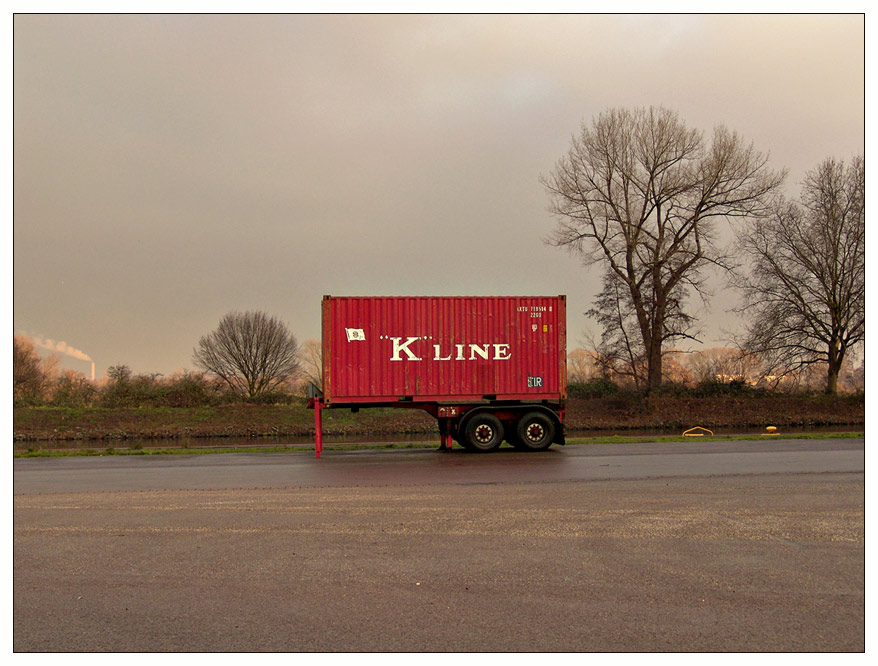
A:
[583,414]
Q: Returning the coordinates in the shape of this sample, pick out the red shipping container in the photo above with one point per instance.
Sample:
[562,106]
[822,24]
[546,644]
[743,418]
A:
[379,350]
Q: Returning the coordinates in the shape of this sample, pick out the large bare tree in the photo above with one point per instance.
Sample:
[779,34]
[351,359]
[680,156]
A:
[251,352]
[806,291]
[640,192]
[621,347]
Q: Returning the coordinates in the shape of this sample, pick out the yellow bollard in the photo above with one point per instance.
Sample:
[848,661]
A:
[770,431]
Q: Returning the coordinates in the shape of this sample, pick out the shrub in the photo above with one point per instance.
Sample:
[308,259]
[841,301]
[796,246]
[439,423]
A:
[73,390]
[273,398]
[712,387]
[191,389]
[127,390]
[596,387]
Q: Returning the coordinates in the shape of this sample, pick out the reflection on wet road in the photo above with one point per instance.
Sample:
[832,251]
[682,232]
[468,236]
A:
[417,467]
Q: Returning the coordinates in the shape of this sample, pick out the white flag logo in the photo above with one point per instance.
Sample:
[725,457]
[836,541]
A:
[355,334]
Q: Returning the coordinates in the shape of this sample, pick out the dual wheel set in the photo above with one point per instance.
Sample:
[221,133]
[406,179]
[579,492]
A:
[483,431]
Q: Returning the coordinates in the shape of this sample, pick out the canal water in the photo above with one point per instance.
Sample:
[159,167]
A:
[378,441]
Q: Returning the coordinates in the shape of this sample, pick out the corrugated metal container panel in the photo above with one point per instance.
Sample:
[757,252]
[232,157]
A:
[387,349]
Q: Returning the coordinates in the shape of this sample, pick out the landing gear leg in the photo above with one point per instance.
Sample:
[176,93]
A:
[444,436]
[318,427]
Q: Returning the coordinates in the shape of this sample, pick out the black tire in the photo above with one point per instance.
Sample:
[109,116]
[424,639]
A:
[535,431]
[483,432]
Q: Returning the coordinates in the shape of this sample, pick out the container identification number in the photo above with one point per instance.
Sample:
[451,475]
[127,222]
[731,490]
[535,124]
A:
[536,311]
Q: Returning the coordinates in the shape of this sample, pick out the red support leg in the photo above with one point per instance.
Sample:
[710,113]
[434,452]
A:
[318,427]
[444,434]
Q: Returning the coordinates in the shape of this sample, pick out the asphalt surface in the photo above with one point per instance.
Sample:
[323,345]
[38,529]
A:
[741,546]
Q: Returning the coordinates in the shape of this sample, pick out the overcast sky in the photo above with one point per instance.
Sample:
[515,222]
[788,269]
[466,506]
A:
[170,169]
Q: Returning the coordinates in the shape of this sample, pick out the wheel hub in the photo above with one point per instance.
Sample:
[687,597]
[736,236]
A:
[484,434]
[535,432]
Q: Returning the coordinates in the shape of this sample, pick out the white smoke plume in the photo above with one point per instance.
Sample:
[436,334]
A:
[62,347]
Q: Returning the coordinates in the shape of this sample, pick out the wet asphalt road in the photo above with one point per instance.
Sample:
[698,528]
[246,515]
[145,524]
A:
[740,546]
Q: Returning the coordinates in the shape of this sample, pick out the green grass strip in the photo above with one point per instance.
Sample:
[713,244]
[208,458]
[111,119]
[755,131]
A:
[641,439]
[573,441]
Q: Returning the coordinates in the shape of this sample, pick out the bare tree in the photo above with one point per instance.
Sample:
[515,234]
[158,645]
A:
[621,346]
[675,369]
[806,292]
[855,378]
[582,366]
[725,364]
[119,374]
[251,352]
[311,357]
[29,382]
[640,192]
[620,351]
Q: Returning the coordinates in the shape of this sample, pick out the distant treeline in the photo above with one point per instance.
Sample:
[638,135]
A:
[38,382]
[43,385]
[713,371]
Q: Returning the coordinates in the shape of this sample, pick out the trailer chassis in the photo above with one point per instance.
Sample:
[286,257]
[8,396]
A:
[479,426]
